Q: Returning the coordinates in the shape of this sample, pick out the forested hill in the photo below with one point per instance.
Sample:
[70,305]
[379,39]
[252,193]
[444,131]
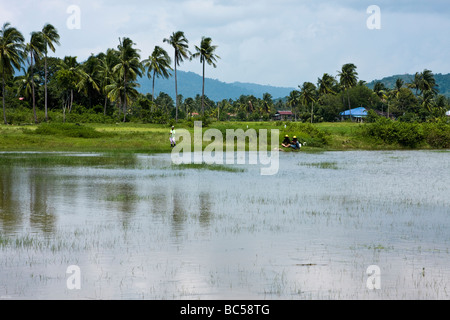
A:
[190,84]
[442,80]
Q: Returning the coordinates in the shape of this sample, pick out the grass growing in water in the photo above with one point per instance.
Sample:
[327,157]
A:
[322,165]
[205,166]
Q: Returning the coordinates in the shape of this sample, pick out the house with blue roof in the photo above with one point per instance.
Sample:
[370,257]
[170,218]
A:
[357,113]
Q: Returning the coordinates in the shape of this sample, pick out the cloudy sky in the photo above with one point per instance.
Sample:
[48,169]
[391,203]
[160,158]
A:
[275,42]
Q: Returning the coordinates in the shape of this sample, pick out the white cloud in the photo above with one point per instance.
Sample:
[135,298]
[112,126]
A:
[278,42]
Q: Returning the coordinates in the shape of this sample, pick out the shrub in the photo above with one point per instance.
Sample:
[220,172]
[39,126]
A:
[372,116]
[403,133]
[409,134]
[438,135]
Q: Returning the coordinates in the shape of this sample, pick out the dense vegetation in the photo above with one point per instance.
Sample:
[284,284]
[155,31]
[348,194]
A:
[37,88]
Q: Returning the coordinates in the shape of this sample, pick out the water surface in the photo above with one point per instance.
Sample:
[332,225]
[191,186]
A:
[140,228]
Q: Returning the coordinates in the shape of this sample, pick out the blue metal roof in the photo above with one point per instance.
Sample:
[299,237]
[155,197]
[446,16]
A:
[357,112]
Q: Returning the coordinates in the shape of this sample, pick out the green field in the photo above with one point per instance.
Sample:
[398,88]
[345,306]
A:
[152,138]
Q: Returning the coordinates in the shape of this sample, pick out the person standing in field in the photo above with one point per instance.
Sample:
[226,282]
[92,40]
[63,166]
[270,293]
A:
[172,139]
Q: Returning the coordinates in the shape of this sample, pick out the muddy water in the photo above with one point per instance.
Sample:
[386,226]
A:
[138,228]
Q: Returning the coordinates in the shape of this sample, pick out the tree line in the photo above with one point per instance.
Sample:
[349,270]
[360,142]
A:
[417,100]
[111,76]
[105,86]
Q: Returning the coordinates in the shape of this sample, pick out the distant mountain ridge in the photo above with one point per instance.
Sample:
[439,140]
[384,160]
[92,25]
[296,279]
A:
[442,80]
[190,84]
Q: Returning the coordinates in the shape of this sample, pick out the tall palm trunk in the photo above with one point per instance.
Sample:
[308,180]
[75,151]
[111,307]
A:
[349,107]
[106,102]
[203,90]
[32,85]
[153,86]
[45,84]
[125,97]
[153,90]
[3,95]
[176,92]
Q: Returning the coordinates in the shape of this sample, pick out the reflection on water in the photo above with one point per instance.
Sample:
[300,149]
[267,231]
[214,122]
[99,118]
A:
[140,228]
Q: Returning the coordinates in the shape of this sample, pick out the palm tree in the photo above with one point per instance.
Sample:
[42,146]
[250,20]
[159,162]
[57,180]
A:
[428,83]
[326,84]
[107,63]
[11,56]
[415,83]
[395,93]
[51,37]
[127,70]
[206,54]
[293,101]
[428,100]
[348,78]
[378,87]
[399,84]
[381,92]
[308,95]
[67,77]
[35,47]
[267,102]
[25,84]
[120,93]
[88,77]
[158,64]
[423,81]
[180,45]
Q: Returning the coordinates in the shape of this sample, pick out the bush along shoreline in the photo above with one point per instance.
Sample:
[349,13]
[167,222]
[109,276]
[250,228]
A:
[409,135]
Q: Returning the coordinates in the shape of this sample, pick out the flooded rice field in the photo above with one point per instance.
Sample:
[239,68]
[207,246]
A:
[123,226]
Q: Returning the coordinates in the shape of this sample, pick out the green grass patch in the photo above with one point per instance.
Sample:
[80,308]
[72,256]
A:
[66,130]
[205,166]
[154,138]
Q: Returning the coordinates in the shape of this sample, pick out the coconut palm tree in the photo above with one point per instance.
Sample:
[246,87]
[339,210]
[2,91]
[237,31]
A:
[11,56]
[35,48]
[180,45]
[308,96]
[395,93]
[206,54]
[51,37]
[415,83]
[327,84]
[423,81]
[128,69]
[267,102]
[157,65]
[67,77]
[120,93]
[348,78]
[428,83]
[88,77]
[428,101]
[381,92]
[107,63]
[25,84]
[294,101]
